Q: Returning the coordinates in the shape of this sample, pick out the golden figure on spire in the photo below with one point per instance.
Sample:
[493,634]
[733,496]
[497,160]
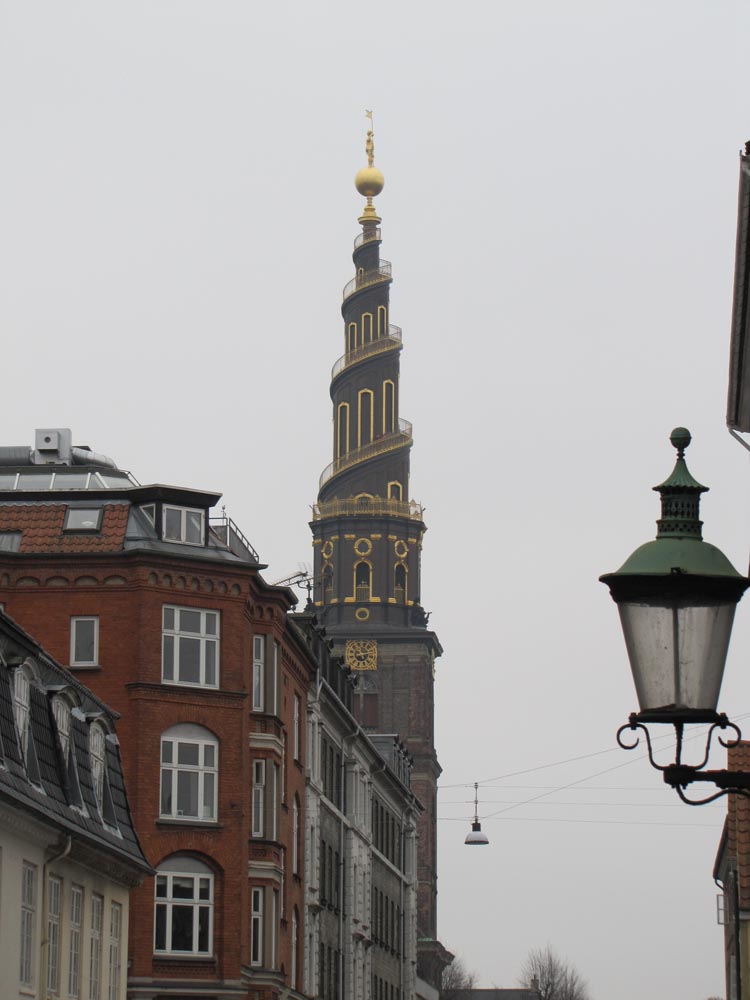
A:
[369,142]
[369,180]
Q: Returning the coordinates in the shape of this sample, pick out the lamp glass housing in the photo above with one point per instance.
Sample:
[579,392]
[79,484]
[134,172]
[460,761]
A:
[677,650]
[475,838]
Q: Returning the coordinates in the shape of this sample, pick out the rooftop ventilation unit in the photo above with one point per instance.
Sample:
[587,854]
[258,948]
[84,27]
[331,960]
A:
[53,446]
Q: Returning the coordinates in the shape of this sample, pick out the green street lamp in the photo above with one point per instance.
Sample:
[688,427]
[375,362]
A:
[676,596]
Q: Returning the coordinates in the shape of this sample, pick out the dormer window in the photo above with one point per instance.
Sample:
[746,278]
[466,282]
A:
[61,713]
[183,525]
[21,708]
[96,753]
[149,509]
[83,519]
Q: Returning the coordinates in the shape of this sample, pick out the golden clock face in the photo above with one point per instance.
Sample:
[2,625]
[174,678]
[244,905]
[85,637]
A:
[361,654]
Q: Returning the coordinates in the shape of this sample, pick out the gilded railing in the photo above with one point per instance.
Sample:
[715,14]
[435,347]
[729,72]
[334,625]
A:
[388,442]
[369,236]
[387,343]
[377,274]
[367,507]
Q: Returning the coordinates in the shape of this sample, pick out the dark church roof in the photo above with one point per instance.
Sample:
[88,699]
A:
[51,786]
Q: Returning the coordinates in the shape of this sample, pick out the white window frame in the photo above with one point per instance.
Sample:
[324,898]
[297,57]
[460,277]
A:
[115,949]
[98,757]
[259,669]
[92,525]
[54,914]
[61,715]
[174,773]
[256,927]
[183,531]
[22,707]
[167,900]
[172,636]
[27,958]
[258,827]
[74,622]
[149,512]
[74,948]
[95,956]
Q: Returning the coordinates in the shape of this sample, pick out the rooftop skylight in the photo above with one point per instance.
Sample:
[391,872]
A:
[42,478]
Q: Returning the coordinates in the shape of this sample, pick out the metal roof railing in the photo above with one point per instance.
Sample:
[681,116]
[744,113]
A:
[233,538]
[391,342]
[368,507]
[369,236]
[382,273]
[381,445]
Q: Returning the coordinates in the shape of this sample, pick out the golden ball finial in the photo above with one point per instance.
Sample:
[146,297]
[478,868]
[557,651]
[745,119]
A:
[369,181]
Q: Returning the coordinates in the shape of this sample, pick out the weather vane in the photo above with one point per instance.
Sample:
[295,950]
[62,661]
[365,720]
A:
[369,143]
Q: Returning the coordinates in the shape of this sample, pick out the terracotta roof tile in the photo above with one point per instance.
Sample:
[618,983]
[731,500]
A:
[41,527]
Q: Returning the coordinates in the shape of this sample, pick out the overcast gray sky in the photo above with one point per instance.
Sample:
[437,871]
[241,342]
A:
[177,217]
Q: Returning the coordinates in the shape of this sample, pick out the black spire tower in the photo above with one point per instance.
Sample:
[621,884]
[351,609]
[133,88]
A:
[367,538]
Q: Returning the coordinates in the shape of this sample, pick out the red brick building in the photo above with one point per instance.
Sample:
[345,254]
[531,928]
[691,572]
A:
[165,616]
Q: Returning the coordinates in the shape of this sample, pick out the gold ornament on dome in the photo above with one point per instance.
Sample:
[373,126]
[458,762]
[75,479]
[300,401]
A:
[361,654]
[327,550]
[401,549]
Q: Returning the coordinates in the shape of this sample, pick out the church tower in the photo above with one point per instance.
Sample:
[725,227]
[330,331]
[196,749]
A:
[367,538]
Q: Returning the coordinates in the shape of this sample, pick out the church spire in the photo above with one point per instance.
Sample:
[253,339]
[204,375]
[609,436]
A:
[369,474]
[367,539]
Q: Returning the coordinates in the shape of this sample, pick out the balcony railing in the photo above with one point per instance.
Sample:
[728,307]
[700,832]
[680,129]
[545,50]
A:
[367,507]
[388,343]
[369,236]
[373,277]
[362,592]
[387,442]
[232,537]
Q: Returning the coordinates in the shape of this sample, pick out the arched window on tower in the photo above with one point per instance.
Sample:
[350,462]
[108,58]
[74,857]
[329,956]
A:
[327,582]
[389,407]
[382,321]
[351,338]
[394,491]
[366,328]
[365,421]
[342,431]
[399,583]
[363,581]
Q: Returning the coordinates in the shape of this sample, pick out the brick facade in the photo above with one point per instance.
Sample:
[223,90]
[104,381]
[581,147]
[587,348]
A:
[126,584]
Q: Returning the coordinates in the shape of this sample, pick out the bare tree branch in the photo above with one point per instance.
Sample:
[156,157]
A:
[456,977]
[553,977]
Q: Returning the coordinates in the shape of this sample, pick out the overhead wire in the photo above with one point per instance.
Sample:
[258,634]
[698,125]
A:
[554,789]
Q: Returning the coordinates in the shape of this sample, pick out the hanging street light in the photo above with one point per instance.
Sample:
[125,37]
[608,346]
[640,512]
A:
[676,596]
[475,837]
